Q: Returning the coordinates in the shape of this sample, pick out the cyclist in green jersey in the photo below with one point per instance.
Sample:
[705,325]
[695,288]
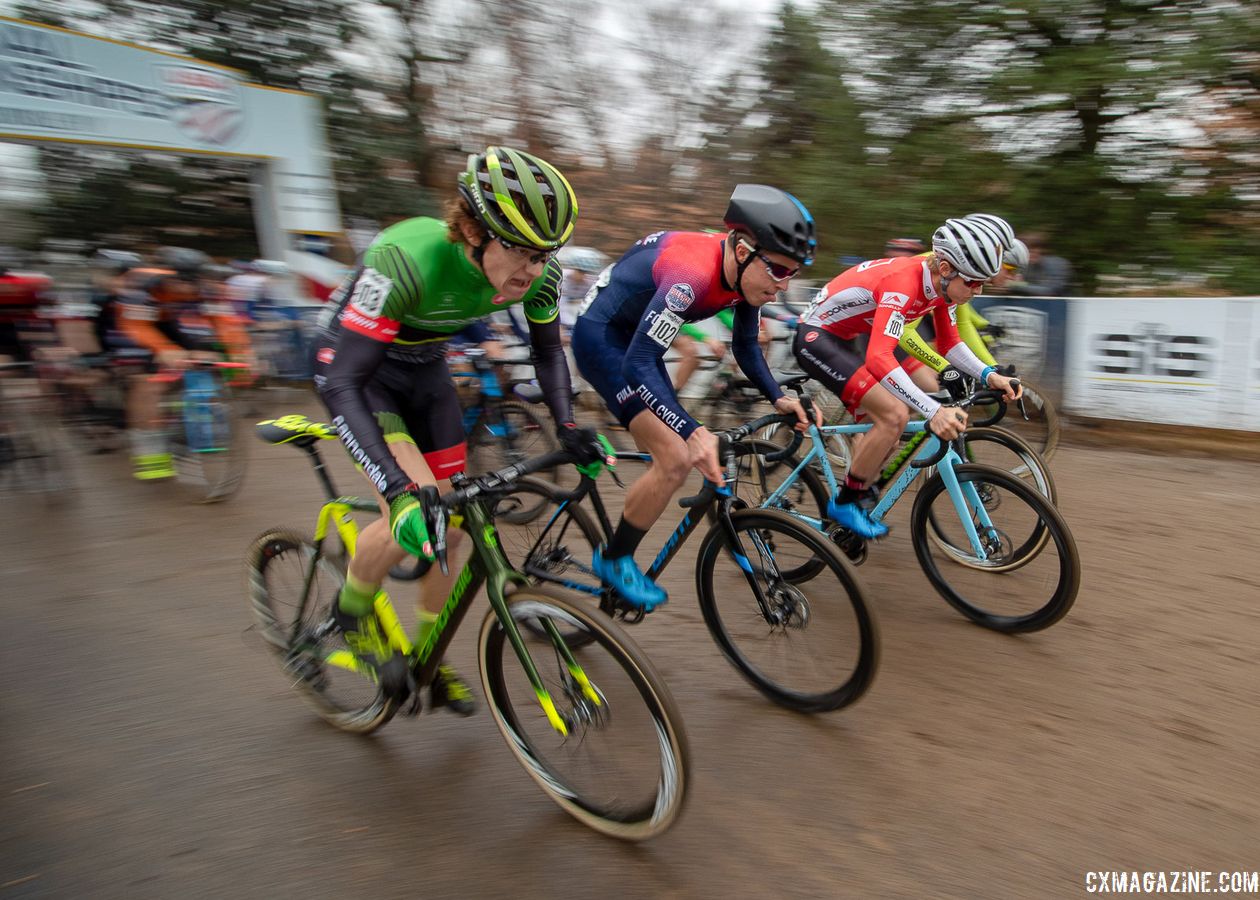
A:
[381,368]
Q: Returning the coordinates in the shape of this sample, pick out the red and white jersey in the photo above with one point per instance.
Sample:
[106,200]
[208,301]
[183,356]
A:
[878,297]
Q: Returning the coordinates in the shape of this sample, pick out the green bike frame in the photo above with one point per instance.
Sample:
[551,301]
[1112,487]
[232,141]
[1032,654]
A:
[487,565]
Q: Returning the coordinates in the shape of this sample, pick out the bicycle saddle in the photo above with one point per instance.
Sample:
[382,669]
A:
[293,429]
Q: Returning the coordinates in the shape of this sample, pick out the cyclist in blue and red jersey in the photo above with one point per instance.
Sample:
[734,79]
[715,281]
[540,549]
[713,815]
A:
[632,315]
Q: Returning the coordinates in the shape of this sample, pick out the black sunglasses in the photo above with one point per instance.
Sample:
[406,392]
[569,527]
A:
[778,271]
[533,257]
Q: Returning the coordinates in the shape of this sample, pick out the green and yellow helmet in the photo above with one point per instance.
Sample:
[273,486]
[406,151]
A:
[519,197]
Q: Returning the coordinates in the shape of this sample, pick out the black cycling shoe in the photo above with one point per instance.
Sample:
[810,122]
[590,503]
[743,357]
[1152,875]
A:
[449,690]
[367,641]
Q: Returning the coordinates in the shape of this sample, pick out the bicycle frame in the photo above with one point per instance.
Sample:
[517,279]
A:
[696,508]
[965,497]
[487,565]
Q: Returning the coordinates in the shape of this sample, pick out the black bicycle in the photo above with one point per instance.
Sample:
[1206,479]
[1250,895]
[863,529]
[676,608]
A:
[780,600]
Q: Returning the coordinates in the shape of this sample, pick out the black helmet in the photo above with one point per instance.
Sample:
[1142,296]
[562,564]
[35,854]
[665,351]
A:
[779,222]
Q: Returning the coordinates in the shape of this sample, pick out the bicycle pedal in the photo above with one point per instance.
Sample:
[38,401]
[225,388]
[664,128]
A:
[631,615]
[850,544]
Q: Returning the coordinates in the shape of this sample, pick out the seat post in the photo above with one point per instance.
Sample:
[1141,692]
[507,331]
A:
[321,470]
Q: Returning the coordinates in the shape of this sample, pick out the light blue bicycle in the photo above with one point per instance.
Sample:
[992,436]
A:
[994,547]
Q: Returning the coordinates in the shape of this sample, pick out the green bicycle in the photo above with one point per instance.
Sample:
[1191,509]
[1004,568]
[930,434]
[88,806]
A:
[590,719]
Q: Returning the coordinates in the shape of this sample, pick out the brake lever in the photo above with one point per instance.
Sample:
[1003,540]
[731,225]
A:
[435,516]
[439,540]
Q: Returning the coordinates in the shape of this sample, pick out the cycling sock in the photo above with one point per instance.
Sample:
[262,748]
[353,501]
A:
[356,596]
[146,442]
[625,540]
[850,490]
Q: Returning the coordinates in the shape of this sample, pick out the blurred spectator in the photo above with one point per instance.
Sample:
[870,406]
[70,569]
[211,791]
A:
[256,291]
[1045,275]
[573,288]
[904,246]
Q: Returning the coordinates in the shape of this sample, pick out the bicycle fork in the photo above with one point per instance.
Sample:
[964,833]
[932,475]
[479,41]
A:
[970,507]
[741,559]
[498,575]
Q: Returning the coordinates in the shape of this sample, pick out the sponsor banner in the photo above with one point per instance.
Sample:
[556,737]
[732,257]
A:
[63,86]
[1183,361]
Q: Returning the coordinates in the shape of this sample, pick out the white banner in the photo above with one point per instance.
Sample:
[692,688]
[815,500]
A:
[1185,361]
[62,86]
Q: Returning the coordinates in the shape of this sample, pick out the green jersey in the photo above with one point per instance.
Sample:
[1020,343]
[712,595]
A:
[416,289]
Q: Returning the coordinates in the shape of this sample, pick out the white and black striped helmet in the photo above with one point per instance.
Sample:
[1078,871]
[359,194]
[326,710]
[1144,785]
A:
[1016,255]
[1000,227]
[970,247]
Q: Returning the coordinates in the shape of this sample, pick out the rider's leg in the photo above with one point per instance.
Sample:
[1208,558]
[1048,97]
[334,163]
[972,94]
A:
[149,453]
[651,492]
[888,417]
[645,501]
[838,365]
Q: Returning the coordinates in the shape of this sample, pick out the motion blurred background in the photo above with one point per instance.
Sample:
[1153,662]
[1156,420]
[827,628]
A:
[150,747]
[1126,132]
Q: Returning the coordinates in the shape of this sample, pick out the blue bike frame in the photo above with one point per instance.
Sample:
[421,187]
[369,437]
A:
[966,498]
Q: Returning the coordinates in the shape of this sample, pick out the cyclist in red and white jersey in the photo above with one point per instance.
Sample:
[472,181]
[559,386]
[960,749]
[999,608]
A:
[877,298]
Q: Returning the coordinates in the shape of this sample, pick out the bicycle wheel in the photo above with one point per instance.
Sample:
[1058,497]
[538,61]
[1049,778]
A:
[1000,449]
[33,458]
[554,547]
[1032,570]
[839,449]
[1004,449]
[1040,430]
[732,404]
[623,766]
[208,467]
[816,647]
[508,434]
[279,563]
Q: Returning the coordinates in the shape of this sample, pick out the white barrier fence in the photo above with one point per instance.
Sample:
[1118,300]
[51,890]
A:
[1181,361]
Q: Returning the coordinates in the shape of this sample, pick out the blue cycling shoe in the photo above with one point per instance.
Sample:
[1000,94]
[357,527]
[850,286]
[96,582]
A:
[627,582]
[856,519]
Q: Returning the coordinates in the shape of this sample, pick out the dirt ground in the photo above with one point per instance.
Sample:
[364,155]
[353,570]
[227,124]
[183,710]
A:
[152,749]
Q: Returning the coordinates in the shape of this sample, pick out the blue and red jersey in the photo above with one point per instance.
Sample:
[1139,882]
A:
[665,280]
